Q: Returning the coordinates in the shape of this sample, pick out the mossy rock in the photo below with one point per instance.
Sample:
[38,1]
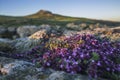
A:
[25,44]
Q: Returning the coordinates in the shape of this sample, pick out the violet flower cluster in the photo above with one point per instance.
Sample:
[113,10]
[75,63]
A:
[84,54]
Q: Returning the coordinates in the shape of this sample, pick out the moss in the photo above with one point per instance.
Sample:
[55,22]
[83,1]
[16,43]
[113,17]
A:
[6,47]
[43,76]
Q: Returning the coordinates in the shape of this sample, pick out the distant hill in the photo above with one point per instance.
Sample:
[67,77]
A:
[47,17]
[43,14]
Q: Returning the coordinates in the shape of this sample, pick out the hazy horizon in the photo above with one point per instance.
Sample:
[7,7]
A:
[94,9]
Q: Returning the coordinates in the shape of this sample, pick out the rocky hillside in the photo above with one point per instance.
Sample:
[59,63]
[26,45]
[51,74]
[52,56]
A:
[28,71]
[46,55]
[48,46]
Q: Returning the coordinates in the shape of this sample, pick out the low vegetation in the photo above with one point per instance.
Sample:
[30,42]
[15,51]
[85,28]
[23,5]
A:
[83,54]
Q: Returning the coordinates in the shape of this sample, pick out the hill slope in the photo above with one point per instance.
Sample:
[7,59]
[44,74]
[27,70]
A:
[47,17]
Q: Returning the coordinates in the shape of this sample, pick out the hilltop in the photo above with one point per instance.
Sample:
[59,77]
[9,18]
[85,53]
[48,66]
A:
[44,14]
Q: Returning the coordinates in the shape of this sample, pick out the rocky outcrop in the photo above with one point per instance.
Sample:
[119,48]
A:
[76,27]
[69,32]
[21,31]
[116,30]
[22,44]
[47,32]
[12,67]
[25,44]
[71,25]
[3,30]
[18,45]
[12,29]
[8,32]
[22,70]
[60,75]
[25,31]
[15,69]
[45,26]
[38,35]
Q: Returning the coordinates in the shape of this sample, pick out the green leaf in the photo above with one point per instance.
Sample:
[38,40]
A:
[95,56]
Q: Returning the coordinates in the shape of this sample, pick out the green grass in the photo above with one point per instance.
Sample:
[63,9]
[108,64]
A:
[48,18]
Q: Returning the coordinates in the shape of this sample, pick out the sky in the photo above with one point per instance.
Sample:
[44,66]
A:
[95,9]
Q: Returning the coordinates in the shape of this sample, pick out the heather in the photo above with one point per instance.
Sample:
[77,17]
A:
[83,54]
